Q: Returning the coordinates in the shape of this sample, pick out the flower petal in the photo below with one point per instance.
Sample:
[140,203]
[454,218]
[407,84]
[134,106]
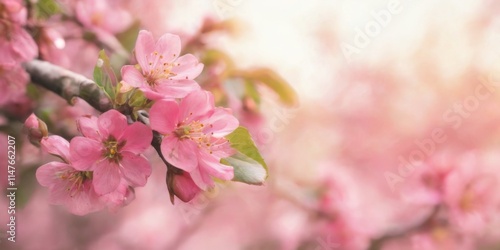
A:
[170,89]
[47,173]
[112,123]
[221,123]
[213,167]
[132,76]
[169,46]
[144,46]
[163,116]
[106,177]
[59,194]
[57,146]
[182,154]
[88,127]
[202,179]
[137,138]
[135,168]
[84,201]
[189,67]
[196,105]
[121,197]
[85,152]
[153,94]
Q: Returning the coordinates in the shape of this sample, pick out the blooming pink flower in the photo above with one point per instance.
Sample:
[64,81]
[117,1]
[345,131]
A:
[425,185]
[13,80]
[112,149]
[194,133]
[67,186]
[470,196]
[162,73]
[16,45]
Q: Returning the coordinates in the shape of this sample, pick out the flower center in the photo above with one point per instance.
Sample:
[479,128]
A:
[96,18]
[183,132]
[467,200]
[159,68]
[194,131]
[112,149]
[440,233]
[75,180]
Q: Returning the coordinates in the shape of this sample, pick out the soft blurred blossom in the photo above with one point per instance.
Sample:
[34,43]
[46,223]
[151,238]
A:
[13,80]
[16,45]
[107,15]
[395,143]
[51,44]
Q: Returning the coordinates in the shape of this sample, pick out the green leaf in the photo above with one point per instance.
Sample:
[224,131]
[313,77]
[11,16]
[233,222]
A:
[251,91]
[104,76]
[212,56]
[248,160]
[271,79]
[98,73]
[137,99]
[44,9]
[246,170]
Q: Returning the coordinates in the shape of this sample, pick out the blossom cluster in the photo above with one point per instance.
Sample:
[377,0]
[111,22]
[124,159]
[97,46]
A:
[192,129]
[103,166]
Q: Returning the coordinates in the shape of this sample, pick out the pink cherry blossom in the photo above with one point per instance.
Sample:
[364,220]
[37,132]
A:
[194,133]
[162,73]
[13,80]
[470,195]
[16,45]
[426,184]
[103,15]
[67,186]
[112,149]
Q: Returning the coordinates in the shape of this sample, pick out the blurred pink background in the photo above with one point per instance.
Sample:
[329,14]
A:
[391,93]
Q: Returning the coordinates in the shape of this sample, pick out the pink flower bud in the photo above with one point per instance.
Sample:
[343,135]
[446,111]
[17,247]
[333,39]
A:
[182,186]
[36,128]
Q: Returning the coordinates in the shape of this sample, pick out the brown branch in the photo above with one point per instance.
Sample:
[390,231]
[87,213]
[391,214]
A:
[376,244]
[67,84]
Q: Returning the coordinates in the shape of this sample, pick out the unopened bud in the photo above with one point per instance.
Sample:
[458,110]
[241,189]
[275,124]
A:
[182,185]
[36,128]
